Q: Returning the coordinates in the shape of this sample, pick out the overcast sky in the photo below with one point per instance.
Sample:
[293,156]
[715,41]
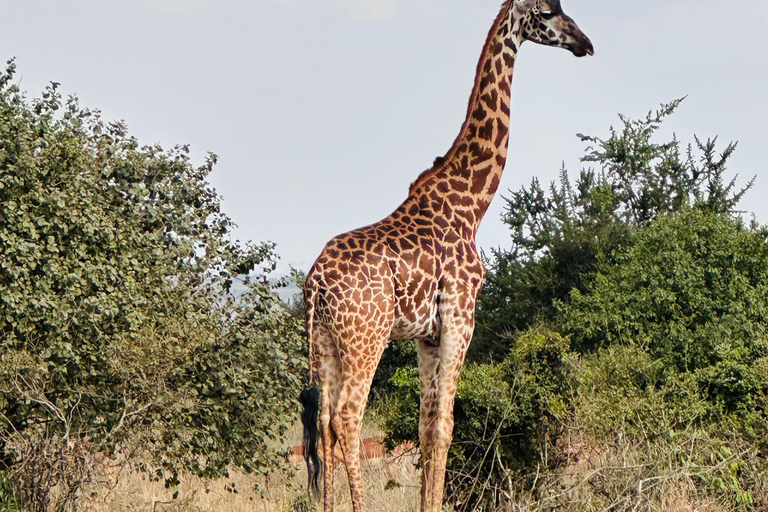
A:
[323,111]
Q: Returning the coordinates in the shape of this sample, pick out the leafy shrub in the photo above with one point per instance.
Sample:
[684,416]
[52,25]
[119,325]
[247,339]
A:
[677,374]
[508,416]
[7,502]
[120,328]
[693,291]
[562,237]
[647,432]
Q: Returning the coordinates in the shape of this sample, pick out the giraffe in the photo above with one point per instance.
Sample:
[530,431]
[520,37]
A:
[417,273]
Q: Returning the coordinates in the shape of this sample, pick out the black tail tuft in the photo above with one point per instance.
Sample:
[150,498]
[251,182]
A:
[310,400]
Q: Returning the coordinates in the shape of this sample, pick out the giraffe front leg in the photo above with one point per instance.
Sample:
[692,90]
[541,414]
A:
[429,364]
[439,369]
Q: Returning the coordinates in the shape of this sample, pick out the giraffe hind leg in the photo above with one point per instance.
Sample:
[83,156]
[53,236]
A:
[329,373]
[347,418]
[347,424]
[328,438]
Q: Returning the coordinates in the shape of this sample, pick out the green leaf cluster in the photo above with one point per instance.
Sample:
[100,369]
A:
[692,293]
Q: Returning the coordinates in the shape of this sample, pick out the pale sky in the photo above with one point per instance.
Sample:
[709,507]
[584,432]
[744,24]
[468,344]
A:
[324,111]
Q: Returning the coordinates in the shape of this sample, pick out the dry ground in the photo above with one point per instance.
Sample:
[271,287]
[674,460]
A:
[133,492]
[392,485]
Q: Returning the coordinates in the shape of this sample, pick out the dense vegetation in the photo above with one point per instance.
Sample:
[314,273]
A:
[620,358]
[120,332]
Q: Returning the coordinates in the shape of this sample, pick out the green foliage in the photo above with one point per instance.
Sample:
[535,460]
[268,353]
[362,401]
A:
[507,417]
[560,239]
[302,503]
[655,435]
[675,380]
[119,328]
[399,355]
[400,410]
[7,501]
[693,292]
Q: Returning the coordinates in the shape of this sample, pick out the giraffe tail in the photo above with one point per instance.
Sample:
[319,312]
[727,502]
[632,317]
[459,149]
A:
[310,400]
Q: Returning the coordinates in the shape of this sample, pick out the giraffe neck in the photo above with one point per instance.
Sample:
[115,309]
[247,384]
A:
[463,182]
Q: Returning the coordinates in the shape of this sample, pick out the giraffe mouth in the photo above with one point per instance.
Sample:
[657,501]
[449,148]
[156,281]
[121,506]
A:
[581,52]
[581,49]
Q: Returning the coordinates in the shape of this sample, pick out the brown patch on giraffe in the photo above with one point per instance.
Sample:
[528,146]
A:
[484,156]
[501,132]
[479,179]
[494,185]
[458,185]
[485,131]
[504,88]
[456,199]
[490,99]
[450,237]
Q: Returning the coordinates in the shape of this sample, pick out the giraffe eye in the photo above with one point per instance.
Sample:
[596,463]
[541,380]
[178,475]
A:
[547,15]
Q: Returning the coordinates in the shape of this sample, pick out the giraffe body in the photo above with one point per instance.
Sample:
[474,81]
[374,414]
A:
[417,273]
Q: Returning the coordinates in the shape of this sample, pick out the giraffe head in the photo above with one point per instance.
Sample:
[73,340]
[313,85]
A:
[544,22]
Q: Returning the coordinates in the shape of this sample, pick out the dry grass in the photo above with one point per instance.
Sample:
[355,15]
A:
[134,492]
[392,485]
[595,480]
[620,477]
[598,478]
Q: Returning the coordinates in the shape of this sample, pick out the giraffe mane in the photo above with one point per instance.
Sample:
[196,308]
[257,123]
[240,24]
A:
[427,174]
[441,163]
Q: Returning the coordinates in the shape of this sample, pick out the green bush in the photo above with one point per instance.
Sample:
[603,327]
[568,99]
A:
[508,417]
[692,291]
[7,501]
[648,432]
[120,326]
[564,236]
[674,376]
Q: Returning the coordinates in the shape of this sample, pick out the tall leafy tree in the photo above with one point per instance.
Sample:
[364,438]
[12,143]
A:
[563,235]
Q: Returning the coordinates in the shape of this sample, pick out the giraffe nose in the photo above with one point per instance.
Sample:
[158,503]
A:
[589,49]
[580,45]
